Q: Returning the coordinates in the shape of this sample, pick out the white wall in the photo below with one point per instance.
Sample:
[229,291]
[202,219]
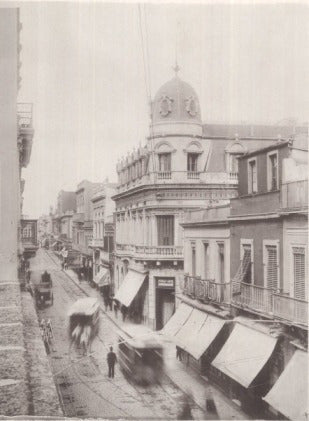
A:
[9,163]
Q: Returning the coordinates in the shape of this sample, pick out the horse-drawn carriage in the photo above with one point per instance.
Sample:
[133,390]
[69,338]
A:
[43,290]
[84,319]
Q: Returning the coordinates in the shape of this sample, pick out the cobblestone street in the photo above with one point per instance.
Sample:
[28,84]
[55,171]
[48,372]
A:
[82,382]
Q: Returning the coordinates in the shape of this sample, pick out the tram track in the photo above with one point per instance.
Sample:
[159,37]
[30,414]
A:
[145,396]
[149,391]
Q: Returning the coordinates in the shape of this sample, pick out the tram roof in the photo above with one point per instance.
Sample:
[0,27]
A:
[139,336]
[85,306]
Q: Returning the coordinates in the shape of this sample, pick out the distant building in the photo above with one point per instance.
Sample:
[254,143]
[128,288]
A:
[103,237]
[83,225]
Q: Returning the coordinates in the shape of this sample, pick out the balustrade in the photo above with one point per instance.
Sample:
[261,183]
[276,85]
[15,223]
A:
[291,309]
[256,297]
[205,289]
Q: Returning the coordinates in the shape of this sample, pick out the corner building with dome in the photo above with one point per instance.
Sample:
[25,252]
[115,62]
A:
[183,165]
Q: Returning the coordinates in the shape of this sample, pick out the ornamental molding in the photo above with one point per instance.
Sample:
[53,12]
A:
[165,105]
[192,106]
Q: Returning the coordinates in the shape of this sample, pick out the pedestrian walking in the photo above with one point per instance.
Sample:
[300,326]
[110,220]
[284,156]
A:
[111,361]
[116,308]
[186,413]
[45,337]
[124,313]
[50,333]
[178,353]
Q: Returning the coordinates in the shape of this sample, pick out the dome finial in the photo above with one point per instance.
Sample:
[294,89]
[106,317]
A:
[176,68]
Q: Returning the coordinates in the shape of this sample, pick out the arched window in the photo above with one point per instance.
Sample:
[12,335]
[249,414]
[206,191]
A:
[233,151]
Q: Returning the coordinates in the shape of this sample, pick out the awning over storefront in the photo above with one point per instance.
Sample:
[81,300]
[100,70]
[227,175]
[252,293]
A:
[289,395]
[129,287]
[244,354]
[178,319]
[102,277]
[198,344]
[193,330]
[190,329]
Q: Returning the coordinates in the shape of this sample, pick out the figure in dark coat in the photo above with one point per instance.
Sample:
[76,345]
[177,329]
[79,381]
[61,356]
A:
[111,360]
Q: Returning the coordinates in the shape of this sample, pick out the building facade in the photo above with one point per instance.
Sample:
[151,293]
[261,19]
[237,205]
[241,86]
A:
[184,165]
[83,225]
[247,263]
[103,238]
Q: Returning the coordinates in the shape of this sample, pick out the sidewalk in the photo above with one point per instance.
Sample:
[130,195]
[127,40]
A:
[184,377]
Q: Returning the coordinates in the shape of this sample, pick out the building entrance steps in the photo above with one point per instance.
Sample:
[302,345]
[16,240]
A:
[198,387]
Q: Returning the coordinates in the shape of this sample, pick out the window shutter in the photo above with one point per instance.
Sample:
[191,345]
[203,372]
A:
[165,226]
[246,265]
[272,267]
[299,273]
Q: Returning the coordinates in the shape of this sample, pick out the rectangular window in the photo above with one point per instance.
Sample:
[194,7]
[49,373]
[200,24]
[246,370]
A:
[164,162]
[271,269]
[165,224]
[252,176]
[193,260]
[246,263]
[206,261]
[272,169]
[299,273]
[192,162]
[221,262]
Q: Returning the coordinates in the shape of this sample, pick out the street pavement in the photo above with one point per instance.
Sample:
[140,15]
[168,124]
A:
[83,385]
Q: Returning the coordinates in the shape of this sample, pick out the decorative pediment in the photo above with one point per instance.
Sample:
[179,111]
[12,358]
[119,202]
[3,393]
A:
[194,147]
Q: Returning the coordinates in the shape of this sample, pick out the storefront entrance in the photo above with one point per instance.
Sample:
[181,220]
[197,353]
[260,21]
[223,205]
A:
[165,301]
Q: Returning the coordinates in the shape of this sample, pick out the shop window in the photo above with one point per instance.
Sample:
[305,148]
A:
[272,171]
[165,227]
[165,162]
[299,273]
[252,176]
[192,159]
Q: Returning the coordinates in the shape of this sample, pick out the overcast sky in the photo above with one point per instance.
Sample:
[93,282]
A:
[82,67]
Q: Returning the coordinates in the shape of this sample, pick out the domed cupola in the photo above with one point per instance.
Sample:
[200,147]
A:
[176,104]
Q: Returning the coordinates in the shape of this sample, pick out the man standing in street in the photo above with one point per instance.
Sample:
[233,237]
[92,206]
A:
[111,360]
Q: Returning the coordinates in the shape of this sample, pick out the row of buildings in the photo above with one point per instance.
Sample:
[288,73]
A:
[204,238]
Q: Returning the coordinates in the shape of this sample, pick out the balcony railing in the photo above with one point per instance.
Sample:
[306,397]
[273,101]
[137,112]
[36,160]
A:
[291,309]
[153,252]
[164,175]
[294,195]
[205,289]
[255,297]
[193,175]
[267,301]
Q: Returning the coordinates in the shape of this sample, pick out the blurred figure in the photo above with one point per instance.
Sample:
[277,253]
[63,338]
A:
[185,413]
[178,353]
[111,361]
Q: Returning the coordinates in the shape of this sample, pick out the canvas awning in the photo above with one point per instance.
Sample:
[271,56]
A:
[289,395]
[102,277]
[193,330]
[200,342]
[178,319]
[244,354]
[190,329]
[129,287]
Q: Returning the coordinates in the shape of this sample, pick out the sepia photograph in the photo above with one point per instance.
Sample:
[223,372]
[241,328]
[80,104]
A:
[154,210]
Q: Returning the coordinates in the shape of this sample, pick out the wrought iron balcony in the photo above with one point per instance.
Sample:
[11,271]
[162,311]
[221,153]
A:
[205,289]
[291,309]
[266,301]
[254,297]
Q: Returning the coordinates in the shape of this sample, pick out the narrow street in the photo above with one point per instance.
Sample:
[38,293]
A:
[82,382]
